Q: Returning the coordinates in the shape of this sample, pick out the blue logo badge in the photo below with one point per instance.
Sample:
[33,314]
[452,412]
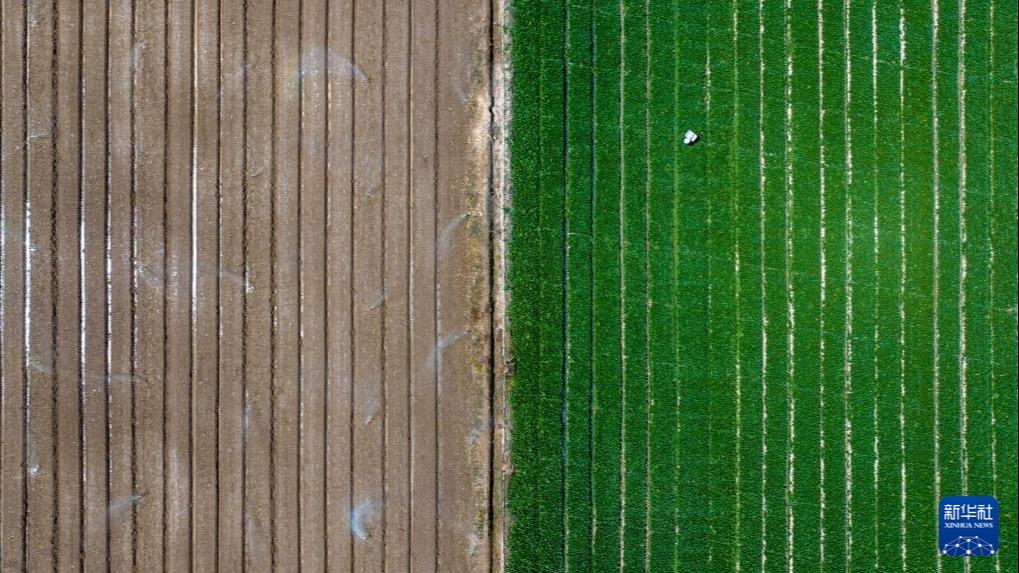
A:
[968,526]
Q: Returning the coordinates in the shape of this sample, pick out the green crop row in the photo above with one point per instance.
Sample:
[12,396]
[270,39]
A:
[774,348]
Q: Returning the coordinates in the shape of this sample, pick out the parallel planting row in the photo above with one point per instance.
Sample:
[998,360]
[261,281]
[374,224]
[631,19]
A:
[776,348]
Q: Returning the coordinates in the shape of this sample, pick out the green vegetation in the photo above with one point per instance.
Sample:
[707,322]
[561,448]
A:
[775,348]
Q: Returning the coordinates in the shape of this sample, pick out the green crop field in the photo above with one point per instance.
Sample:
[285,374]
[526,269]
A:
[774,349]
